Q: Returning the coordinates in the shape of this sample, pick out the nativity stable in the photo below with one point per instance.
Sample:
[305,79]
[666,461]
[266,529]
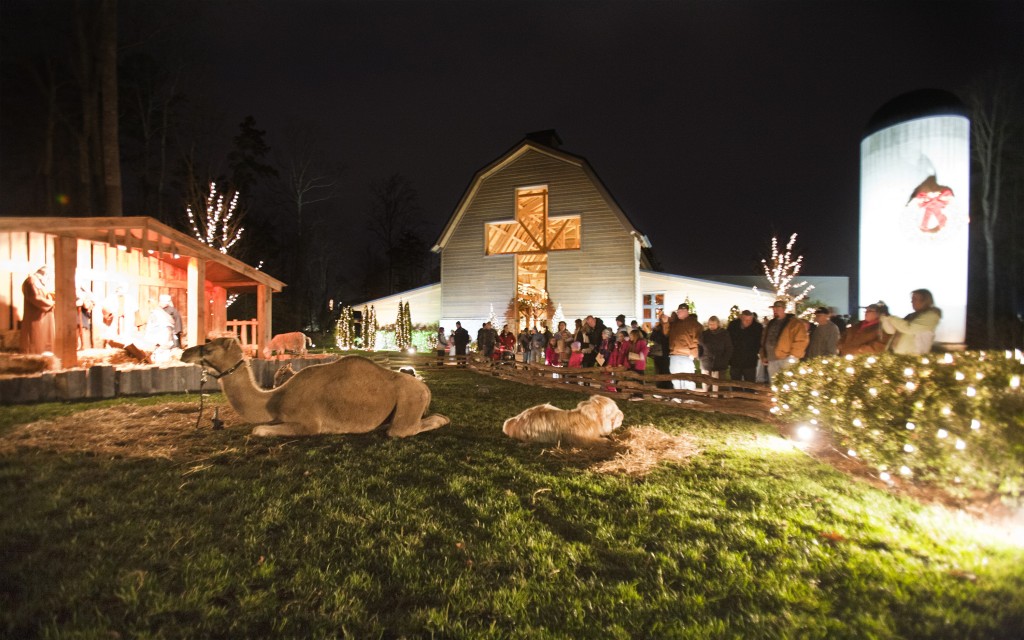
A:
[124,264]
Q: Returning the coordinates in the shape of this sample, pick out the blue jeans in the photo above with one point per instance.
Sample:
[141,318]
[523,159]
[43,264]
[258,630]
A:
[682,364]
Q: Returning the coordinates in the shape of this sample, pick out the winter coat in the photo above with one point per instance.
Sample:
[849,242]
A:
[863,337]
[914,333]
[640,348]
[793,339]
[716,350]
[824,340]
[684,337]
[746,344]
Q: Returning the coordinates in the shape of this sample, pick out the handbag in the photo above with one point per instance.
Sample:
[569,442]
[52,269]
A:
[600,360]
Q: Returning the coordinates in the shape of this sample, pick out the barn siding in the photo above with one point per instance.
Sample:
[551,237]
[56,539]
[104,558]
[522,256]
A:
[600,278]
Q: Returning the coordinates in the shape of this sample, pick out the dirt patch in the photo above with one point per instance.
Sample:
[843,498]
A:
[633,451]
[165,431]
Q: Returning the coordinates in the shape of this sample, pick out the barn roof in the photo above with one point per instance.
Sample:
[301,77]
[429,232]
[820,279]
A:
[147,234]
[544,142]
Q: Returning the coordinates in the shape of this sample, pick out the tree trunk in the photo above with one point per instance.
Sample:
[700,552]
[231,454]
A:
[108,93]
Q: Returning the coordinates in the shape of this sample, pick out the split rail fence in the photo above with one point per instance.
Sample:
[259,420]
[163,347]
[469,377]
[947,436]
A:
[711,394]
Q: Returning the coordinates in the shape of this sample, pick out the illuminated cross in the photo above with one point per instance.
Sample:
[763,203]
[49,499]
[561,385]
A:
[532,235]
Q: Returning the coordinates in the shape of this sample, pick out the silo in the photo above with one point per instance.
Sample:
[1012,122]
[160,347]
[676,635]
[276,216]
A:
[914,206]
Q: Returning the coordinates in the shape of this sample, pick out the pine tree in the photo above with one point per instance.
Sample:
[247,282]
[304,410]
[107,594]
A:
[400,331]
[407,319]
[369,328]
[343,332]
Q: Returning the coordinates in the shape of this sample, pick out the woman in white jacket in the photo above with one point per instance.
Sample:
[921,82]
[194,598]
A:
[914,333]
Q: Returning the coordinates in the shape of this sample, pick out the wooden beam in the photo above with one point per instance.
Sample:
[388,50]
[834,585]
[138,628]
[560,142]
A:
[196,307]
[264,314]
[65,313]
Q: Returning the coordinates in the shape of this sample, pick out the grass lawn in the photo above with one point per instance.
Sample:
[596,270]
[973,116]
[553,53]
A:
[465,533]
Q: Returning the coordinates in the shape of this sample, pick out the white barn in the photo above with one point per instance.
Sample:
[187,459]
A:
[539,220]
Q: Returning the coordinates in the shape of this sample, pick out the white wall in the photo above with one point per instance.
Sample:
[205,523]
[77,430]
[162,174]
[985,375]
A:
[710,298]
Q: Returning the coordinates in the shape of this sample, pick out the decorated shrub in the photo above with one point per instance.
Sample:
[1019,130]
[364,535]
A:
[955,420]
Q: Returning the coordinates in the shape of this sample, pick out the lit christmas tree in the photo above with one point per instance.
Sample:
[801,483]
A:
[558,317]
[344,332]
[403,336]
[369,328]
[781,270]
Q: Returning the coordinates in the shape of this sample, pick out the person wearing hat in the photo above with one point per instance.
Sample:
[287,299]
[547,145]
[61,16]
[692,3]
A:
[824,335]
[683,345]
[784,341]
[915,332]
[37,316]
[865,336]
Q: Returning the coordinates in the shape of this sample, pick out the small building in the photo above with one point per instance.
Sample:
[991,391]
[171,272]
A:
[126,263]
[538,225]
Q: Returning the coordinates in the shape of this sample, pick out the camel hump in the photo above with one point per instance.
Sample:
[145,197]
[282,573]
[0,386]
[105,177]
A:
[353,366]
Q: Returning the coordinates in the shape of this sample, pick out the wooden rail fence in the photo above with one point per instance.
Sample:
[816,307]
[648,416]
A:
[711,394]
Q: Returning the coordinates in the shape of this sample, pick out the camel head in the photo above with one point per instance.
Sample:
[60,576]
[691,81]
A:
[217,357]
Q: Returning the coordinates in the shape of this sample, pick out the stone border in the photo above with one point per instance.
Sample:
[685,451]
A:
[107,381]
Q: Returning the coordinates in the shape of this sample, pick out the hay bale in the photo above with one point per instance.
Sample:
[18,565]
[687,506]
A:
[19,364]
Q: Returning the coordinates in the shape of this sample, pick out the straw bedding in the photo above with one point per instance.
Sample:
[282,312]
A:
[165,431]
[633,451]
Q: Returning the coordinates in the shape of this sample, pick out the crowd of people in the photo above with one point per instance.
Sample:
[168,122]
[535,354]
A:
[747,348]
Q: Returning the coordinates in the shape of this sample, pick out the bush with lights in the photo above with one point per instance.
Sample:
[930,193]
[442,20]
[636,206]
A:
[955,420]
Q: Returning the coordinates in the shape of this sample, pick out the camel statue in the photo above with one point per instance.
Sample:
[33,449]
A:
[350,395]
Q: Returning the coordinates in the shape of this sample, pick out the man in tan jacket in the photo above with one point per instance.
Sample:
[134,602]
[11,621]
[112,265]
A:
[784,341]
[683,338]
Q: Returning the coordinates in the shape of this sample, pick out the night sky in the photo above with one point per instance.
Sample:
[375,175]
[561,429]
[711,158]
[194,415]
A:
[714,124]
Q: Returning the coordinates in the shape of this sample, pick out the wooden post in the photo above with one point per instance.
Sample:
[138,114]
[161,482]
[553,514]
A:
[197,304]
[265,316]
[65,320]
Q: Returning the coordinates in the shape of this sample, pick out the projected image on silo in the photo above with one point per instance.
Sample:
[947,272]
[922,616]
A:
[914,217]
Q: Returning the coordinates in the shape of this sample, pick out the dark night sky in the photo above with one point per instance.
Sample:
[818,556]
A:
[715,124]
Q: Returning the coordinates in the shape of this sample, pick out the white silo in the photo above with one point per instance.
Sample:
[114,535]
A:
[914,206]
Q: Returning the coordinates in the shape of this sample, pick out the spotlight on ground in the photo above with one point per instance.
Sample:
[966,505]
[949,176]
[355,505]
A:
[804,433]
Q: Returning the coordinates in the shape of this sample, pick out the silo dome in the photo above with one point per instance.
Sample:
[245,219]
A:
[921,103]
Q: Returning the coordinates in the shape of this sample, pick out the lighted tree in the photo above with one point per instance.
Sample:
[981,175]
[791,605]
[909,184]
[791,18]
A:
[344,332]
[491,317]
[403,327]
[220,226]
[559,316]
[407,319]
[781,271]
[369,328]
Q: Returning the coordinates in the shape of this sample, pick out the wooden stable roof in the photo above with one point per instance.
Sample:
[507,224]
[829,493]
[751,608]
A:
[146,234]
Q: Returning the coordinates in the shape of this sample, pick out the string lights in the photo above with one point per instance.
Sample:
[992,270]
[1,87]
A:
[781,270]
[946,420]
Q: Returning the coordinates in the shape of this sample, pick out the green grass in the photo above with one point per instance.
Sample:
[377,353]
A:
[464,533]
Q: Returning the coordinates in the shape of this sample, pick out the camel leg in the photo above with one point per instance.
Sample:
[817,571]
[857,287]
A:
[283,429]
[408,420]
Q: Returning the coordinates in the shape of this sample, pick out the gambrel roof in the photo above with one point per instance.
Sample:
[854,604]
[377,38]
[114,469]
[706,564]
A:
[530,143]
